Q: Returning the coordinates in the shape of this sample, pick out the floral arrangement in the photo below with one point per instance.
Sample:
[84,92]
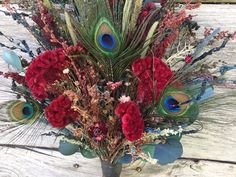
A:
[120,80]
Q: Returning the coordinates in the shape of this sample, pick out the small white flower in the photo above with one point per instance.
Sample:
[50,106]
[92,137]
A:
[76,83]
[124,99]
[66,71]
[153,161]
[127,84]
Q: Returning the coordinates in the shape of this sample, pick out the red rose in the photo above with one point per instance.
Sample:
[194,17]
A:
[44,71]
[153,75]
[98,131]
[59,112]
[132,122]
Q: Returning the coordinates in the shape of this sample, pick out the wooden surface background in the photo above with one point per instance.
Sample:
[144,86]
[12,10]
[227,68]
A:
[209,153]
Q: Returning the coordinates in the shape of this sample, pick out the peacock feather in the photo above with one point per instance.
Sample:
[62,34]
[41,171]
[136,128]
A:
[24,112]
[111,32]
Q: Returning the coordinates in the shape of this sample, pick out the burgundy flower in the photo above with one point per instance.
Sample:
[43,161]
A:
[98,131]
[153,75]
[132,122]
[44,71]
[59,112]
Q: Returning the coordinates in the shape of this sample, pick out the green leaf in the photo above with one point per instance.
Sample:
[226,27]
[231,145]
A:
[67,148]
[88,153]
[165,153]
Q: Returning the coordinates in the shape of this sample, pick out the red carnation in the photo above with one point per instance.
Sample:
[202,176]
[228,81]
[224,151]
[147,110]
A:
[153,75]
[44,71]
[132,122]
[98,131]
[59,112]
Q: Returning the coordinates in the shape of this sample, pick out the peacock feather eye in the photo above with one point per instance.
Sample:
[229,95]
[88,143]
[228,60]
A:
[23,112]
[175,104]
[27,111]
[178,104]
[106,38]
[107,41]
[171,104]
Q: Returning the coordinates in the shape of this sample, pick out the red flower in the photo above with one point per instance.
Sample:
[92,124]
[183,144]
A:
[153,75]
[74,50]
[132,122]
[15,76]
[98,131]
[171,21]
[163,2]
[188,59]
[44,71]
[59,112]
[146,11]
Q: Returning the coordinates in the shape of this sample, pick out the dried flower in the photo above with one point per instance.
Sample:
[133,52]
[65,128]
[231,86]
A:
[15,76]
[127,84]
[66,71]
[124,99]
[148,8]
[98,131]
[188,59]
[163,2]
[114,86]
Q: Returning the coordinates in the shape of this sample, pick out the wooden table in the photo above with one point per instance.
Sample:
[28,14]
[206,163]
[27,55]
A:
[209,153]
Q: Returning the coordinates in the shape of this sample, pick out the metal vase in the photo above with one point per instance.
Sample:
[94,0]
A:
[111,170]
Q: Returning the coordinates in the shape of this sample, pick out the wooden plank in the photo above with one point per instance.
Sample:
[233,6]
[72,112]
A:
[21,163]
[218,134]
[214,147]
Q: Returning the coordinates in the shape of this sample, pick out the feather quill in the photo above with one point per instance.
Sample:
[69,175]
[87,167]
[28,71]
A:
[71,29]
[135,14]
[126,16]
[149,38]
[47,3]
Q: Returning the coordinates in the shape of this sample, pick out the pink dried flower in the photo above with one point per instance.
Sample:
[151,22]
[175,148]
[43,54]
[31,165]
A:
[114,86]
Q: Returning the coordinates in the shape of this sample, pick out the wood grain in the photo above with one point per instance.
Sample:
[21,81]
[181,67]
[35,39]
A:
[209,153]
